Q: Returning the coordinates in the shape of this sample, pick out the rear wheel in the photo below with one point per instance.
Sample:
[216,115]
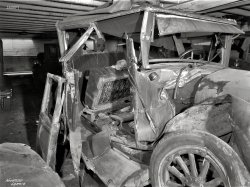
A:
[194,159]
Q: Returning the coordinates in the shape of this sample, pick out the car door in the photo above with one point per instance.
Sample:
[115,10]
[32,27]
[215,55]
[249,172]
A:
[49,118]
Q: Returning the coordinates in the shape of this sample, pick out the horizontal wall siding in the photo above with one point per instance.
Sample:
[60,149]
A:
[19,54]
[24,47]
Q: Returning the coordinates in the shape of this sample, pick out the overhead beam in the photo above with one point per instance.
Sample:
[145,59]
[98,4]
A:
[238,12]
[26,25]
[172,3]
[226,6]
[247,7]
[33,12]
[28,20]
[16,23]
[84,2]
[198,5]
[24,30]
[217,14]
[4,30]
[27,15]
[22,6]
[61,5]
[41,27]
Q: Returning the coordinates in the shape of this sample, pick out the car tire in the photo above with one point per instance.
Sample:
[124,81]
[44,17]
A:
[196,159]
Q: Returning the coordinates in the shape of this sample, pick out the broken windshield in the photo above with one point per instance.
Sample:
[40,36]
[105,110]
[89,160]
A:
[183,39]
[183,47]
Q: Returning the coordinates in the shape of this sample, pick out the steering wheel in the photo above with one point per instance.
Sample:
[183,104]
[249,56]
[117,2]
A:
[191,52]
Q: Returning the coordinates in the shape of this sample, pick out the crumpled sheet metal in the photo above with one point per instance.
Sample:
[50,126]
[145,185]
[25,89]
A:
[241,128]
[187,75]
[21,166]
[207,117]
[227,81]
[169,24]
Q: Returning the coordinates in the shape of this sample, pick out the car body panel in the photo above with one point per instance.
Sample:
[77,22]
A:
[241,127]
[226,81]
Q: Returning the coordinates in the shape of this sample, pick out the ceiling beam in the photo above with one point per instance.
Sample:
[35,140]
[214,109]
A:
[25,27]
[28,20]
[52,4]
[217,14]
[21,6]
[84,2]
[9,31]
[172,3]
[247,7]
[14,22]
[28,27]
[25,16]
[33,12]
[226,6]
[7,18]
[238,12]
[198,5]
[35,30]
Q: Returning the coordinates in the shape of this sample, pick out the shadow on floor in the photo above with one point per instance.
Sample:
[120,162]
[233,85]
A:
[18,123]
[31,98]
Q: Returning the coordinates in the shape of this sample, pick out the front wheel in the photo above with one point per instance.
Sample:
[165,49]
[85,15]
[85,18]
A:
[196,159]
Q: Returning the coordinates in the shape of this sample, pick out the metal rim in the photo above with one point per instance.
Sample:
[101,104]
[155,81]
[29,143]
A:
[191,166]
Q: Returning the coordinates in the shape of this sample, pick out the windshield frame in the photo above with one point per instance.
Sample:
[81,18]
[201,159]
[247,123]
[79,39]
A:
[147,36]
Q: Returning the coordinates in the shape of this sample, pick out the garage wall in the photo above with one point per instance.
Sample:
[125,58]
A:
[1,63]
[18,54]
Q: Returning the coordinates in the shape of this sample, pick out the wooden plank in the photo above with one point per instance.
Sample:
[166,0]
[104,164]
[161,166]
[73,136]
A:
[226,52]
[179,45]
[198,5]
[246,7]
[28,28]
[33,12]
[24,22]
[28,15]
[217,14]
[85,2]
[238,12]
[226,5]
[23,25]
[52,4]
[3,17]
[172,3]
[5,32]
[19,6]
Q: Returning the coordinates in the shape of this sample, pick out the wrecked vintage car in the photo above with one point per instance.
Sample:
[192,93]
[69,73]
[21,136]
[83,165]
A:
[146,98]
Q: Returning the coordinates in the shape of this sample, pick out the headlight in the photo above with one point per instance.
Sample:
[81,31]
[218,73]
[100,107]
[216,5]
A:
[153,76]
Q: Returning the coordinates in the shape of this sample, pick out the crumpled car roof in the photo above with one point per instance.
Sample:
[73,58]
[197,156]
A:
[125,8]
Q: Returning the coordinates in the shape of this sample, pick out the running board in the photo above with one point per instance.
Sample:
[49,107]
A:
[115,169]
